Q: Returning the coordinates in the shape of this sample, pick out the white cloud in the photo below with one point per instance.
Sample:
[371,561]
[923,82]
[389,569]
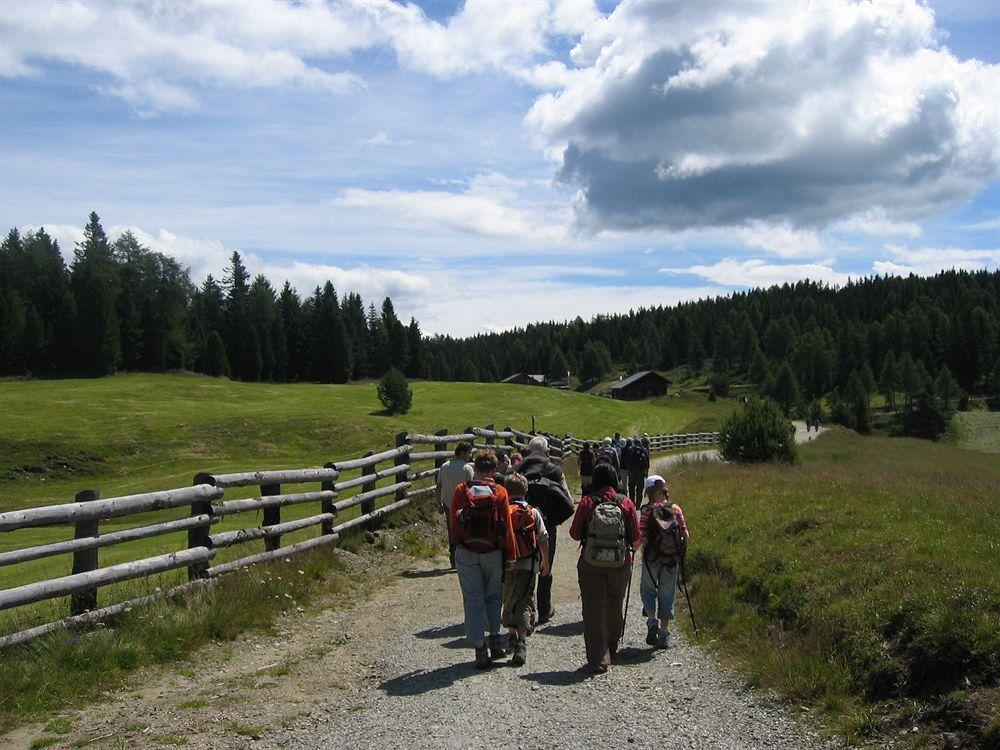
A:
[875,222]
[759,273]
[926,261]
[703,114]
[489,206]
[781,239]
[379,139]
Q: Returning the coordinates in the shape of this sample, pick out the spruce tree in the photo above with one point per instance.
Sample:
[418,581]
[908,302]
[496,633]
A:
[95,289]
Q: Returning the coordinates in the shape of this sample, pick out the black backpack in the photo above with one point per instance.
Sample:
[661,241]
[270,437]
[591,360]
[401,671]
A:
[550,498]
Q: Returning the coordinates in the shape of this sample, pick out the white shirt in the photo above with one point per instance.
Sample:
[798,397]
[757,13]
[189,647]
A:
[450,475]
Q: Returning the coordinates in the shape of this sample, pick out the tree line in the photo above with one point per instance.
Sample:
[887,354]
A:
[122,306]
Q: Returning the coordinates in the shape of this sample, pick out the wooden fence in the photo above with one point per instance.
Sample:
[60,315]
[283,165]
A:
[382,483]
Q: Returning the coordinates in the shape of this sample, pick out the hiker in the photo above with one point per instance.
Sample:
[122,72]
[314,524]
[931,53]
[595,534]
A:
[503,468]
[547,491]
[452,473]
[515,459]
[531,542]
[619,445]
[607,528]
[638,468]
[664,533]
[480,525]
[607,454]
[586,461]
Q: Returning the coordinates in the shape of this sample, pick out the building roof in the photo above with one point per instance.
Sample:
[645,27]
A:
[635,378]
[517,375]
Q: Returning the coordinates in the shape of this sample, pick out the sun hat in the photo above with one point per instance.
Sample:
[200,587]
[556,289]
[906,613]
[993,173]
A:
[652,480]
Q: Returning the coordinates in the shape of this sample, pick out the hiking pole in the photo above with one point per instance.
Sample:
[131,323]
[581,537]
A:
[628,595]
[687,596]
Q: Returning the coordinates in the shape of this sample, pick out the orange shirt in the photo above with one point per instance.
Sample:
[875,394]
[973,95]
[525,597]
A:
[458,501]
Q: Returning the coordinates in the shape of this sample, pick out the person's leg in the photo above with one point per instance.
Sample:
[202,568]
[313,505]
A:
[617,582]
[492,572]
[595,634]
[665,601]
[470,578]
[648,594]
[545,582]
[451,541]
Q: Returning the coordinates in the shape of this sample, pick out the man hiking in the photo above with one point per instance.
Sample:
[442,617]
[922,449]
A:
[483,534]
[547,491]
[637,467]
[452,473]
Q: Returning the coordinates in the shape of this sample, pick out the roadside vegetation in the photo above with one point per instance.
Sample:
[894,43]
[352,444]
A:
[861,581]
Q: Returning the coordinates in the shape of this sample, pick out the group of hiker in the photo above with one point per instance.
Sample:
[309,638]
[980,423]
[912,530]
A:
[503,517]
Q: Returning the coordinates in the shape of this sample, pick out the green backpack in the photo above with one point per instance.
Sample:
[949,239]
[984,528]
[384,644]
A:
[607,542]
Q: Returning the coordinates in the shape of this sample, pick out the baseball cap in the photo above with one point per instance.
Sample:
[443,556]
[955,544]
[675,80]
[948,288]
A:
[653,479]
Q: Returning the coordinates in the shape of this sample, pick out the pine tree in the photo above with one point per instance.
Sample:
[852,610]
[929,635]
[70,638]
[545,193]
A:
[595,362]
[213,357]
[558,366]
[786,388]
[889,379]
[95,289]
[416,362]
[243,352]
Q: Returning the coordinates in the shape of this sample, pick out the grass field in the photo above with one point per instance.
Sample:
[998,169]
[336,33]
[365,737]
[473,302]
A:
[979,430]
[863,580]
[138,433]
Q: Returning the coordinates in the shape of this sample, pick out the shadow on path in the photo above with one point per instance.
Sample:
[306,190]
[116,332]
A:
[440,632]
[564,630]
[437,573]
[420,681]
[560,676]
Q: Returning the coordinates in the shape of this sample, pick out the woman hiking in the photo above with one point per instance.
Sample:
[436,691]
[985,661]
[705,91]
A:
[665,534]
[607,527]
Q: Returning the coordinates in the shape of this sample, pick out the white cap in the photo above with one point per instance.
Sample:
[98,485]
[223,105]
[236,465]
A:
[607,441]
[652,480]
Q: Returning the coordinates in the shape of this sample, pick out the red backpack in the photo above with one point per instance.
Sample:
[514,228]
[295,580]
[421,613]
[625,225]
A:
[663,531]
[480,527]
[522,518]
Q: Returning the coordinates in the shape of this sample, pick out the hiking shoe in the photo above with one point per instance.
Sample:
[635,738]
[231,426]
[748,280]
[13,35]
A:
[542,619]
[497,650]
[663,638]
[483,660]
[599,668]
[520,653]
[651,630]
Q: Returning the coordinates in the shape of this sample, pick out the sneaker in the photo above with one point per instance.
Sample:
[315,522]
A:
[482,657]
[497,650]
[520,653]
[651,630]
[663,638]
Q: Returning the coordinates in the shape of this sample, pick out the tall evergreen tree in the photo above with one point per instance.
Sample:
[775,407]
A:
[95,289]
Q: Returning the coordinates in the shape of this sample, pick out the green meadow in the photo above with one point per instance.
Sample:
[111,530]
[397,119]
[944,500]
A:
[862,580]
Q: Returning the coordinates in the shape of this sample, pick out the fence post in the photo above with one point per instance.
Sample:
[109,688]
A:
[509,440]
[401,459]
[85,560]
[368,505]
[200,536]
[532,424]
[272,516]
[490,440]
[326,506]
[439,462]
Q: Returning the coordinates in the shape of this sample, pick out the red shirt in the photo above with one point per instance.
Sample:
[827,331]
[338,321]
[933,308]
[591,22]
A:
[644,519]
[585,512]
[459,501]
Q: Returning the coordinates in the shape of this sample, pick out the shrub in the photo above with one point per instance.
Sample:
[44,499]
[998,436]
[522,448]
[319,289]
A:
[394,392]
[758,432]
[929,419]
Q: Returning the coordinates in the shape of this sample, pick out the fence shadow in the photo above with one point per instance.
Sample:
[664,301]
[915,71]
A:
[419,682]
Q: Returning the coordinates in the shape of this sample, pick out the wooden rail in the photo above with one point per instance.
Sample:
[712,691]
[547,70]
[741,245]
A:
[206,504]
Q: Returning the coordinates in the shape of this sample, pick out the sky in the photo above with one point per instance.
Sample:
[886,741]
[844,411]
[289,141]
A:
[490,164]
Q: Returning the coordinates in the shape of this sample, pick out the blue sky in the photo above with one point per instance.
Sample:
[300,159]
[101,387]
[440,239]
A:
[491,164]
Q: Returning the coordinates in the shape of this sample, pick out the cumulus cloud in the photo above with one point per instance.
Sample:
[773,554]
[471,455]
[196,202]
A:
[706,114]
[731,272]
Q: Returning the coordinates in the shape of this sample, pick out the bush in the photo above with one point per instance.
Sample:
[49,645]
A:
[929,419]
[394,392]
[758,432]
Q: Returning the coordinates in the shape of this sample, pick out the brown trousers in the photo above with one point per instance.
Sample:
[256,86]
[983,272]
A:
[603,593]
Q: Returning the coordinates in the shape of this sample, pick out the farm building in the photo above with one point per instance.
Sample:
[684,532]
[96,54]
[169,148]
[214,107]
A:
[523,378]
[643,384]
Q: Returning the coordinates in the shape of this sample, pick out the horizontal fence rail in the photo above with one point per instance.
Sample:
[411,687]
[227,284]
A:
[207,503]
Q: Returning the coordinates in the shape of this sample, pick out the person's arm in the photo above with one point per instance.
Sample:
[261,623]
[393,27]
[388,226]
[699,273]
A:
[503,506]
[578,529]
[682,523]
[457,502]
[644,522]
[632,523]
[543,565]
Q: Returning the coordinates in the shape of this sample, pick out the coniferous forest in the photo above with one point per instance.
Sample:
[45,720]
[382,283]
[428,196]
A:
[121,306]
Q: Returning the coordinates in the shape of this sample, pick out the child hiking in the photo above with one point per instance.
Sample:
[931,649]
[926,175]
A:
[664,533]
[531,542]
[481,527]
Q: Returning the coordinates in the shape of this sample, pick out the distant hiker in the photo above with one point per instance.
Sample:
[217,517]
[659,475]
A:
[452,473]
[531,542]
[481,528]
[607,454]
[587,459]
[547,491]
[619,445]
[503,468]
[607,527]
[664,533]
[624,454]
[638,468]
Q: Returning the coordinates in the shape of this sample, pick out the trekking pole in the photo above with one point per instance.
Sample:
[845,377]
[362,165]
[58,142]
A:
[628,595]
[687,596]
